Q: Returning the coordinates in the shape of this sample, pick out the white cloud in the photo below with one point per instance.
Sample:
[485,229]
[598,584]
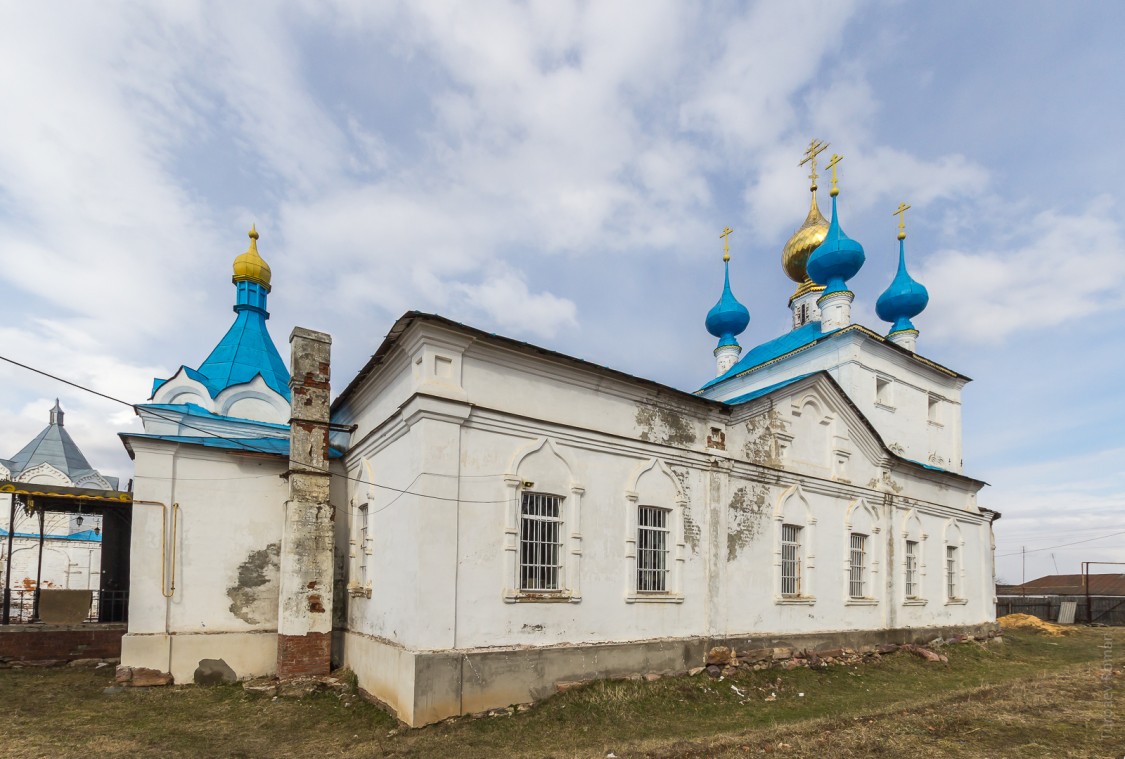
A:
[506,300]
[1046,270]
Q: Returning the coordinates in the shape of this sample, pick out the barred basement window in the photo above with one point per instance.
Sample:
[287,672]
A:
[950,572]
[857,573]
[652,550]
[540,541]
[911,569]
[790,560]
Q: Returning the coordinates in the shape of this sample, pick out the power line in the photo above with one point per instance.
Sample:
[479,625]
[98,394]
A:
[248,446]
[1062,545]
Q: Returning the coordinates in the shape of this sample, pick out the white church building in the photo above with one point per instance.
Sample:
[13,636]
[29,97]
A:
[475,519]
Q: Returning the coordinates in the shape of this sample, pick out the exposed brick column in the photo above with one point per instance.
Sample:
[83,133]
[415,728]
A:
[304,619]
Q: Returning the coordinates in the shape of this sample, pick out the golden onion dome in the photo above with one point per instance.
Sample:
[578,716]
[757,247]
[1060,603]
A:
[251,267]
[795,254]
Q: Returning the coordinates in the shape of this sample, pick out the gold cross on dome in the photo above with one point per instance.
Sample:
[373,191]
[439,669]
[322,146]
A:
[726,242]
[835,159]
[815,148]
[900,212]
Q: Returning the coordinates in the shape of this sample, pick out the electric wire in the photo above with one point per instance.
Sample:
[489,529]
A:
[247,446]
[1060,545]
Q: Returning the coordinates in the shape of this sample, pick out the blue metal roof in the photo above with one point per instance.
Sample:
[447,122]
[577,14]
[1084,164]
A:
[272,445]
[193,409]
[87,535]
[779,346]
[765,390]
[245,352]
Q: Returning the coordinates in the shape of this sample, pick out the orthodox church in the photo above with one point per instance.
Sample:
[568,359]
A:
[473,519]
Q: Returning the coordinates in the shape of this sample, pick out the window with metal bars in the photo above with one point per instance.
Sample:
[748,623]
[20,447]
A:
[857,575]
[361,549]
[950,572]
[540,542]
[790,560]
[652,549]
[912,569]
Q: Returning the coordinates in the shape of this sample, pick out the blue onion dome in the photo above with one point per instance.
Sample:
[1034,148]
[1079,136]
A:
[903,299]
[728,317]
[837,259]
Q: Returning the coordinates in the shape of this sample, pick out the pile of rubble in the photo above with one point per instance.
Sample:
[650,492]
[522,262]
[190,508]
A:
[723,661]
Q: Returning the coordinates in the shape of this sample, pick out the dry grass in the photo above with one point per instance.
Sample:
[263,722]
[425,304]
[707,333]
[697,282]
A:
[1033,696]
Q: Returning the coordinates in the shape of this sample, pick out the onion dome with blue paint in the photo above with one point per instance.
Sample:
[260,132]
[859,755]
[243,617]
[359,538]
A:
[728,318]
[906,297]
[839,257]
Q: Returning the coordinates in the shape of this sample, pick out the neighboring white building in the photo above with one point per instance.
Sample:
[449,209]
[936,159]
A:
[506,517]
[72,543]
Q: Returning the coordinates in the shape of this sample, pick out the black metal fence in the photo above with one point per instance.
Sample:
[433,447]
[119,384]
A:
[105,606]
[1106,610]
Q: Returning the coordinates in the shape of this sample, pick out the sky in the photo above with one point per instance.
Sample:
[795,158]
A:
[559,173]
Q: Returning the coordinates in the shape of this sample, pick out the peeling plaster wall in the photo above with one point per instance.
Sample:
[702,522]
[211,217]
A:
[473,426]
[225,576]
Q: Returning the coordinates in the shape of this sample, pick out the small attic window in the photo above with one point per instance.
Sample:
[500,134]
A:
[883,395]
[934,410]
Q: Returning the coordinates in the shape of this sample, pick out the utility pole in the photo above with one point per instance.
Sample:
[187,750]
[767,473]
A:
[1023,561]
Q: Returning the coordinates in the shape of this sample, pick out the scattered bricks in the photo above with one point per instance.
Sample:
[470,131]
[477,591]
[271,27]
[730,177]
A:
[755,655]
[886,648]
[143,677]
[713,670]
[868,649]
[123,675]
[924,653]
[832,653]
[802,654]
[695,671]
[780,654]
[564,686]
[815,661]
[719,655]
[261,686]
[90,663]
[791,664]
[298,687]
[652,677]
[729,671]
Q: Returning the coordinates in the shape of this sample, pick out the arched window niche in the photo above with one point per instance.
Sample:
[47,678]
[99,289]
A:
[794,549]
[542,532]
[913,564]
[861,554]
[654,535]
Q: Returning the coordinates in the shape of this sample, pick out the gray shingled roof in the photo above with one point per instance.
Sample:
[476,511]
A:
[53,446]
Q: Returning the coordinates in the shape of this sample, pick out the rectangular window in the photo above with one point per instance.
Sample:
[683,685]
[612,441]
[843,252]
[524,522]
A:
[911,569]
[883,391]
[950,572]
[361,549]
[790,560]
[652,550]
[540,542]
[858,579]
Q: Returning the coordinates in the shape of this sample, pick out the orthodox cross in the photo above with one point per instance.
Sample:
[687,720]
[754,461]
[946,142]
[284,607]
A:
[726,242]
[835,159]
[815,148]
[900,212]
